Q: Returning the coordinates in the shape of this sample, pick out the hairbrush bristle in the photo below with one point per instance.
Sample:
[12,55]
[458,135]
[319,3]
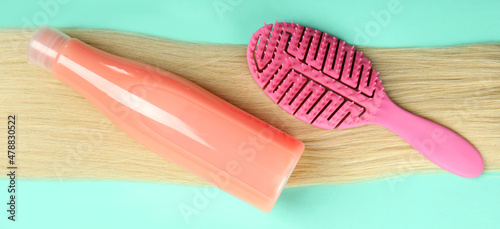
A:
[314,76]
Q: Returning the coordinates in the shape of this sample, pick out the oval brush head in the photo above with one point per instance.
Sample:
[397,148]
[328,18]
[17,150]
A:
[314,76]
[323,81]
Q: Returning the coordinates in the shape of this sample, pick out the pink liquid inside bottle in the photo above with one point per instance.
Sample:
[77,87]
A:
[175,118]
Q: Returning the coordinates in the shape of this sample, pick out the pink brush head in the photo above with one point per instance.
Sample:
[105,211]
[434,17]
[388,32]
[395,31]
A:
[325,82]
[314,76]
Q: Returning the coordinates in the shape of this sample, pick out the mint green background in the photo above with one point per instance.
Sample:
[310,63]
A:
[418,201]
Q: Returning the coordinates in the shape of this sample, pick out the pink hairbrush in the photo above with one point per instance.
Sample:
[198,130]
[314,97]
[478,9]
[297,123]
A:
[323,81]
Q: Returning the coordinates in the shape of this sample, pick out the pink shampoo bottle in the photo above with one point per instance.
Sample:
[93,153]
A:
[175,118]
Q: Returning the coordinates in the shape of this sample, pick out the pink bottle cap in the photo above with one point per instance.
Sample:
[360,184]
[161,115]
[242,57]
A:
[44,46]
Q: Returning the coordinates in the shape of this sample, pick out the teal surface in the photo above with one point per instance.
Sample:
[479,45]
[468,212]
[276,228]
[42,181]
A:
[374,23]
[430,201]
[439,201]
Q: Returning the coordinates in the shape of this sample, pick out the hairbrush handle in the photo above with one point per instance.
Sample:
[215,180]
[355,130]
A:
[437,143]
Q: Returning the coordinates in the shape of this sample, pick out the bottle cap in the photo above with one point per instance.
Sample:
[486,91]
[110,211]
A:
[45,45]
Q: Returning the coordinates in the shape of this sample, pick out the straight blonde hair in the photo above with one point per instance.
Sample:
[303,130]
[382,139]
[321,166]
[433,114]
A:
[60,135]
